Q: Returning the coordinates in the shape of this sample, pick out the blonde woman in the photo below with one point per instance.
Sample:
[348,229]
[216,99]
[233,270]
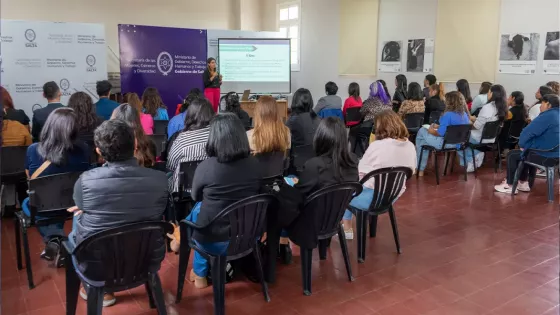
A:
[269,134]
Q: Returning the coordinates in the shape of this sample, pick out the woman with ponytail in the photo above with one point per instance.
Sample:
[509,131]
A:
[436,101]
[401,93]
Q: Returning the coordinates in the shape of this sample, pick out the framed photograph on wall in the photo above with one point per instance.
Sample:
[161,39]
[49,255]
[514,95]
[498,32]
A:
[391,57]
[420,55]
[551,54]
[518,53]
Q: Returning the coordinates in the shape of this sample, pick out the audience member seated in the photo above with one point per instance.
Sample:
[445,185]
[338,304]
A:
[333,164]
[385,87]
[482,98]
[51,92]
[391,148]
[496,109]
[555,86]
[84,109]
[428,82]
[233,106]
[119,193]
[145,151]
[105,106]
[153,105]
[12,113]
[415,101]
[535,110]
[303,121]
[541,134]
[455,114]
[14,133]
[400,92]
[464,88]
[190,144]
[435,102]
[331,101]
[59,151]
[517,116]
[377,102]
[228,175]
[146,120]
[353,100]
[269,133]
[177,123]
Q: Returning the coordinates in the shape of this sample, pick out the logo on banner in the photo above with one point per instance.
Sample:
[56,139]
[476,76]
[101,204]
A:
[90,60]
[65,85]
[30,36]
[165,63]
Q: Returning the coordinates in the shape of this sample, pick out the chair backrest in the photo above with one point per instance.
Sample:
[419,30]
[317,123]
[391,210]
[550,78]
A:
[515,129]
[331,112]
[186,175]
[328,204]
[160,127]
[491,130]
[301,154]
[457,134]
[159,141]
[435,116]
[53,194]
[272,164]
[414,120]
[13,161]
[353,114]
[122,256]
[247,219]
[388,183]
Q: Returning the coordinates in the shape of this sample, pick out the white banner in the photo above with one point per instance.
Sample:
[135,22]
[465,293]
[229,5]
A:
[391,56]
[32,53]
[551,59]
[518,53]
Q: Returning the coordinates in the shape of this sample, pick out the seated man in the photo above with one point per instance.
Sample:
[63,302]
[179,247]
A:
[541,134]
[118,193]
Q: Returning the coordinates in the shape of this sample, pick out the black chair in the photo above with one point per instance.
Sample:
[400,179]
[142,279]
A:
[359,137]
[434,117]
[160,127]
[160,142]
[549,166]
[513,130]
[457,135]
[49,197]
[247,220]
[12,168]
[413,122]
[325,209]
[273,165]
[353,115]
[115,260]
[182,198]
[300,155]
[388,183]
[490,131]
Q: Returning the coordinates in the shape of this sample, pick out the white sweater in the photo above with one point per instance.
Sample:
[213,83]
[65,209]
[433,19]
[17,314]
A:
[488,113]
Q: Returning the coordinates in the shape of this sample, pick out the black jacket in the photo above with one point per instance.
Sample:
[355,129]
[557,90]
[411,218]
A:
[40,117]
[17,115]
[433,104]
[302,128]
[210,84]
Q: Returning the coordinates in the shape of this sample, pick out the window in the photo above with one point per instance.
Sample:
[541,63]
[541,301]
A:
[289,26]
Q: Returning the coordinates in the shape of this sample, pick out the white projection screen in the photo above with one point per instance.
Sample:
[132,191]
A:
[259,65]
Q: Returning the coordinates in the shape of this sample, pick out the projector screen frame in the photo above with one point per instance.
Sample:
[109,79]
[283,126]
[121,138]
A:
[250,38]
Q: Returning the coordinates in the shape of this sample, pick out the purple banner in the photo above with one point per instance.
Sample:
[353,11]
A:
[170,59]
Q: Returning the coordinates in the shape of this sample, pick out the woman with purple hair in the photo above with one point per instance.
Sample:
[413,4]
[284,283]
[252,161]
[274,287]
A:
[377,101]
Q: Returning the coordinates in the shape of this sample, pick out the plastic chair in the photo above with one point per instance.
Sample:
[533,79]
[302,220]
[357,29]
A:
[300,155]
[326,207]
[115,260]
[388,183]
[331,112]
[247,220]
[49,197]
[413,122]
[182,198]
[434,117]
[12,168]
[160,127]
[160,142]
[490,131]
[353,115]
[273,164]
[458,135]
[359,137]
[549,166]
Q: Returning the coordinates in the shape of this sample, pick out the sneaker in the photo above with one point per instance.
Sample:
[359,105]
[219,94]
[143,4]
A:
[541,173]
[504,188]
[199,282]
[285,254]
[349,234]
[524,187]
[108,299]
[51,250]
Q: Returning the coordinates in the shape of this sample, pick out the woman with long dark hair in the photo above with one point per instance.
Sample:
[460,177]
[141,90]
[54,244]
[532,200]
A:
[145,148]
[401,93]
[535,110]
[435,101]
[464,88]
[212,81]
[516,119]
[303,121]
[59,151]
[146,120]
[87,119]
[482,98]
[153,104]
[234,106]
[353,100]
[415,101]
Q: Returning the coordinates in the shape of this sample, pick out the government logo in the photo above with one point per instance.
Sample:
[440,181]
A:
[65,85]
[30,36]
[164,63]
[90,60]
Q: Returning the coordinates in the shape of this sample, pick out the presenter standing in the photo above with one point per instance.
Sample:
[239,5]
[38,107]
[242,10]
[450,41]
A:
[212,81]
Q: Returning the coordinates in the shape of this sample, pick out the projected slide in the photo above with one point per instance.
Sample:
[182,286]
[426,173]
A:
[259,65]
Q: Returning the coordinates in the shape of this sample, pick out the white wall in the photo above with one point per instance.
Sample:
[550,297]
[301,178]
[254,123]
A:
[217,14]
[250,15]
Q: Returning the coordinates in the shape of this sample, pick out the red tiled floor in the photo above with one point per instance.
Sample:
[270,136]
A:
[466,251]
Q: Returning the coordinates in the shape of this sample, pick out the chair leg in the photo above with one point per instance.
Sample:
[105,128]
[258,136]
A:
[550,182]
[436,167]
[474,163]
[344,248]
[372,226]
[218,267]
[27,257]
[94,301]
[184,254]
[17,230]
[258,258]
[150,294]
[156,294]
[306,256]
[323,249]
[395,229]
[420,162]
[72,286]
[447,156]
[454,158]
[465,162]
[361,227]
[516,178]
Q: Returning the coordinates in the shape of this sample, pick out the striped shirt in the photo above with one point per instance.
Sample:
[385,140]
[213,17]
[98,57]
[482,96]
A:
[188,147]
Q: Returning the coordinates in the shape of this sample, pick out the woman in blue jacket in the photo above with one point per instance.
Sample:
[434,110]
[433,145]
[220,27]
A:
[541,134]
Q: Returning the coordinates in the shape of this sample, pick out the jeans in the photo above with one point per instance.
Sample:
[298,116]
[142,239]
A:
[361,201]
[470,157]
[200,264]
[424,138]
[513,159]
[46,231]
